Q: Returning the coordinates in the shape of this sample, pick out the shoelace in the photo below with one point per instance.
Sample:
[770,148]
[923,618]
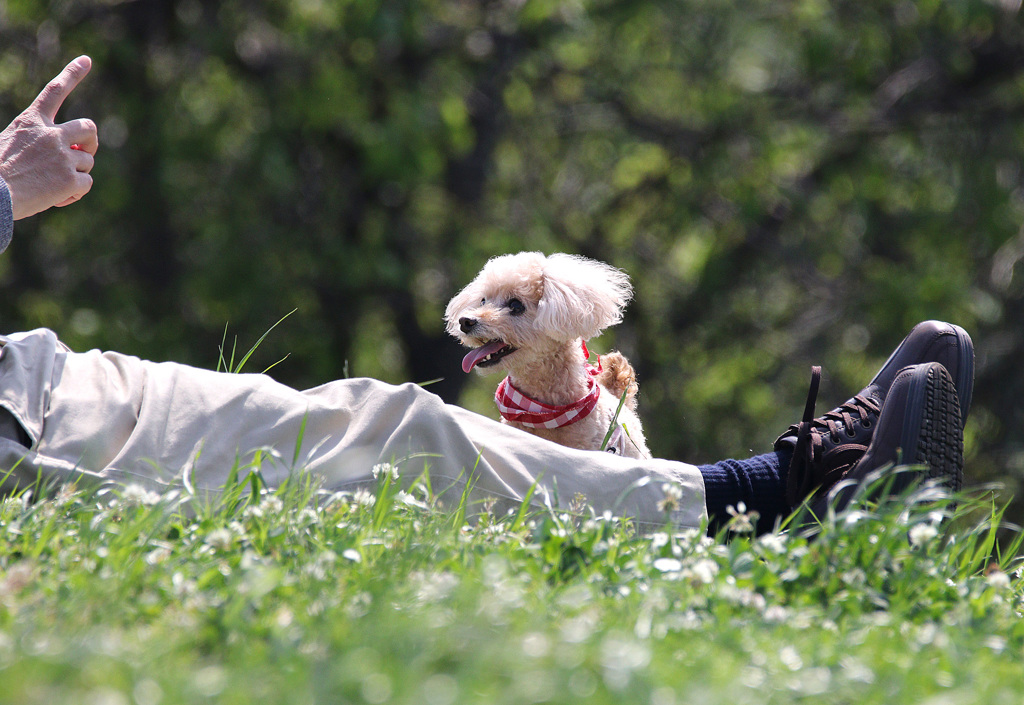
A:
[807,471]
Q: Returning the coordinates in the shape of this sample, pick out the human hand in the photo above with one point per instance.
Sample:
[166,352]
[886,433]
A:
[47,164]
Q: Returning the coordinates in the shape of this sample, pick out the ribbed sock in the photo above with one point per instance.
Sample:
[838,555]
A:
[758,482]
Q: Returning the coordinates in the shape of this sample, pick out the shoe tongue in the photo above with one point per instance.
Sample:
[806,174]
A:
[475,355]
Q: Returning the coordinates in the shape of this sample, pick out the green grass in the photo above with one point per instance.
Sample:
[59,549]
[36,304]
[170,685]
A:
[271,597]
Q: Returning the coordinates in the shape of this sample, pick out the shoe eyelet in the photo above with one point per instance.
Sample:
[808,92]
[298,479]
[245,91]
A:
[850,432]
[866,423]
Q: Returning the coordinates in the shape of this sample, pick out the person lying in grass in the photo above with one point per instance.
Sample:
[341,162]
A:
[105,417]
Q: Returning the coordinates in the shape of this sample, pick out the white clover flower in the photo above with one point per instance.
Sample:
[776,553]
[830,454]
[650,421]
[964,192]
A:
[790,658]
[315,570]
[922,533]
[272,504]
[364,498]
[221,539]
[776,543]
[307,516]
[685,620]
[182,587]
[659,539]
[668,565]
[253,511]
[743,597]
[621,655]
[742,521]
[996,642]
[854,670]
[671,489]
[158,555]
[250,560]
[535,645]
[21,501]
[384,469]
[704,571]
[411,500]
[755,600]
[359,606]
[137,494]
[855,576]
[434,587]
[997,579]
[673,494]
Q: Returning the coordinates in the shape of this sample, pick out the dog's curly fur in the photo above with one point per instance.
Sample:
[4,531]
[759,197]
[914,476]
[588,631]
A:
[532,313]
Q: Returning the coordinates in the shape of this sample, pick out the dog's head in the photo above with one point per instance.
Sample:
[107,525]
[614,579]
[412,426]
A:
[525,305]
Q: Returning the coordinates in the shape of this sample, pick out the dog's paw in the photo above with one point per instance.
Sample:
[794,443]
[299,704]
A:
[618,377]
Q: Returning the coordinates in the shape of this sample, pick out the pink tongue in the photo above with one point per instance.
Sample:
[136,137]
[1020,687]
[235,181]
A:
[477,354]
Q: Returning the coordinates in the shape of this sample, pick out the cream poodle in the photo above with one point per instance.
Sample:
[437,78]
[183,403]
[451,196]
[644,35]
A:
[530,316]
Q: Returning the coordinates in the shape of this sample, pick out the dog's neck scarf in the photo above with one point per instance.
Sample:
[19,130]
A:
[513,405]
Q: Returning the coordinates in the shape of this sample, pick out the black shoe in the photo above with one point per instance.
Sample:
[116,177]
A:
[825,448]
[920,424]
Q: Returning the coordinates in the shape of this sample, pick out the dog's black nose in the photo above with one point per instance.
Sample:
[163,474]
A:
[466,323]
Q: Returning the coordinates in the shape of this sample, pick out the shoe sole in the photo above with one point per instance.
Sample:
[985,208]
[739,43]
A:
[932,433]
[965,367]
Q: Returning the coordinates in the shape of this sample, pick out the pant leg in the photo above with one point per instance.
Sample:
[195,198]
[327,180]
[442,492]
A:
[758,482]
[108,417]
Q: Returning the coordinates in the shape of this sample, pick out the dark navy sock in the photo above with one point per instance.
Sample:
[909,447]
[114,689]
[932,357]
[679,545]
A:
[758,482]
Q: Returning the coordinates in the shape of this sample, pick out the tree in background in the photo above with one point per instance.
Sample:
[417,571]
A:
[787,183]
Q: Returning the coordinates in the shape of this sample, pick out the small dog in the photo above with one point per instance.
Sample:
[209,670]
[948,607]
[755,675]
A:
[530,316]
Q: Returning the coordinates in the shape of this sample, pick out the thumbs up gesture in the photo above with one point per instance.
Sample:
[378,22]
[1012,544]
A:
[43,162]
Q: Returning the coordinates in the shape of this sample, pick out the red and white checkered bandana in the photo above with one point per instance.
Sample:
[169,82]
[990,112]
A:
[513,405]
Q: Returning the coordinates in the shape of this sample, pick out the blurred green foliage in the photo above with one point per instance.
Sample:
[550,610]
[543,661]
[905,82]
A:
[787,182]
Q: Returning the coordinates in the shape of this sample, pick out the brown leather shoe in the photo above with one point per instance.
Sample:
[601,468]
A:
[920,424]
[826,448]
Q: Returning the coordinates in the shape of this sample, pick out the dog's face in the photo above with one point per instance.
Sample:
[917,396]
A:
[524,306]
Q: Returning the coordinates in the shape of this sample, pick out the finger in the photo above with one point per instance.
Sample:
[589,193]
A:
[52,96]
[81,134]
[83,183]
[83,161]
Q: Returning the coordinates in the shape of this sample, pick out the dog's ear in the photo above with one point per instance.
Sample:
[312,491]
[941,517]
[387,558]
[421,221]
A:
[581,296]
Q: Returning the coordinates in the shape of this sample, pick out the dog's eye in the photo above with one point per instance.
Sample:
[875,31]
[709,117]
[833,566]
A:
[515,307]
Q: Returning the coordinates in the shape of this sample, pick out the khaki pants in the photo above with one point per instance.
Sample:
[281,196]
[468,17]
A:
[108,418]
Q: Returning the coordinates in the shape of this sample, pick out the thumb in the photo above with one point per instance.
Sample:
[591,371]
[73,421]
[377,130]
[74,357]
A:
[52,96]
